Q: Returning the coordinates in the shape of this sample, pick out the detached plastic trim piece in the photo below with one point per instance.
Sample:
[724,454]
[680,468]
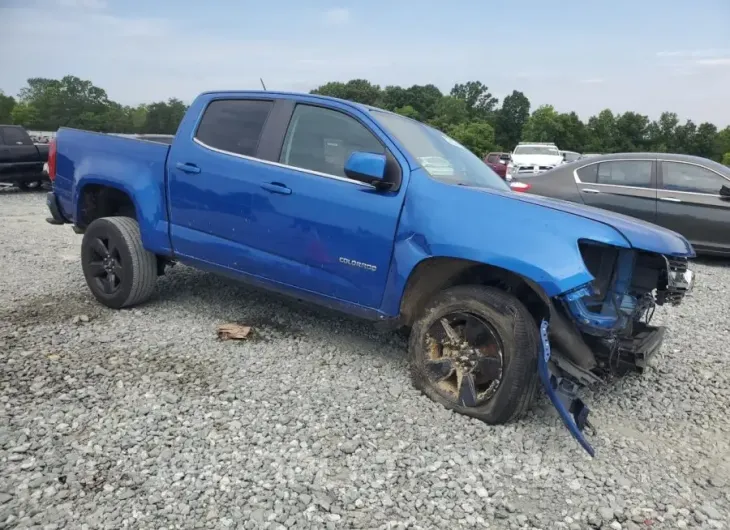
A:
[574,424]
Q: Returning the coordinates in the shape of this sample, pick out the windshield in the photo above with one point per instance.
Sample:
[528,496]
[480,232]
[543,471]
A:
[442,157]
[537,150]
[571,157]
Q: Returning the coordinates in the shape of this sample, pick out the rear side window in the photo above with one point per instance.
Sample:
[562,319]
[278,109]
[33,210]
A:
[588,174]
[234,125]
[636,173]
[15,136]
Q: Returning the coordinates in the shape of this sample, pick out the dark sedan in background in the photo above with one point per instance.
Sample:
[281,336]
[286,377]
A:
[687,194]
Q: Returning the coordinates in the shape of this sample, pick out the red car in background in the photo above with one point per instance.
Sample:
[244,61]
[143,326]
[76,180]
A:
[498,162]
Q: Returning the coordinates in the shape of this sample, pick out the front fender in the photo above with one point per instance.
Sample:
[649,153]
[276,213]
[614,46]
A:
[537,243]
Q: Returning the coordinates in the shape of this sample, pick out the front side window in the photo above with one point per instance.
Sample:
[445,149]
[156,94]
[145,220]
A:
[442,157]
[691,178]
[321,140]
[234,125]
[636,173]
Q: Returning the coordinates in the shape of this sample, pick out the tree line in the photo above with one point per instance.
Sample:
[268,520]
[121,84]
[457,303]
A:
[469,113]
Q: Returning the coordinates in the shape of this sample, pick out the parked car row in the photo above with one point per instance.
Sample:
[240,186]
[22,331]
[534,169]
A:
[529,158]
[687,194]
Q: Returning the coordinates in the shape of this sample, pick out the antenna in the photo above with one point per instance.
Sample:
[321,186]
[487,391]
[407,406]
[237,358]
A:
[262,83]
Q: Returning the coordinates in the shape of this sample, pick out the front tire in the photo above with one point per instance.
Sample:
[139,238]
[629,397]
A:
[118,270]
[474,350]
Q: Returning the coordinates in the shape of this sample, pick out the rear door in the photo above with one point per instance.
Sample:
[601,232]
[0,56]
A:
[218,211]
[623,186]
[690,204]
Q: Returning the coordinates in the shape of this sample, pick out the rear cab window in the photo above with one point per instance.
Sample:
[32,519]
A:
[233,125]
[15,136]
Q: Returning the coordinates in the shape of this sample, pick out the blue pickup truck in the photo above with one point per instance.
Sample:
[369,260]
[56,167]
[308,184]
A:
[387,219]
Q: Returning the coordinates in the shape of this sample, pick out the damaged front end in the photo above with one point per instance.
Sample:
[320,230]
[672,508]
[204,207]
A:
[603,329]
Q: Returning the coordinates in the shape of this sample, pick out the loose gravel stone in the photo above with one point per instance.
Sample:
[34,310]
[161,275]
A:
[141,418]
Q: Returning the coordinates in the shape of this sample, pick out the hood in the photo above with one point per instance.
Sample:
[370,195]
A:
[640,234]
[536,160]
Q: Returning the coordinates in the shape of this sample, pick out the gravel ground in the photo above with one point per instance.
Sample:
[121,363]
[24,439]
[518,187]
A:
[143,419]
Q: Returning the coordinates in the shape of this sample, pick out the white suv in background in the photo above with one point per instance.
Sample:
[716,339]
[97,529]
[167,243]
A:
[533,157]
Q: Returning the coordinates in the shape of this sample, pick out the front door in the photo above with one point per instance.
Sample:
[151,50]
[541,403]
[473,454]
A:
[690,204]
[623,186]
[337,234]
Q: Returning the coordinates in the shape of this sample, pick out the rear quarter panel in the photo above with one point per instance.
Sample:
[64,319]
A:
[557,183]
[135,167]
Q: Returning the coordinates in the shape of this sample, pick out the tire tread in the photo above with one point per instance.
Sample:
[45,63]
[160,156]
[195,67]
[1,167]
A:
[523,365]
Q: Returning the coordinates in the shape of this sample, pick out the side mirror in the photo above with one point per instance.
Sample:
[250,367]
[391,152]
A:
[725,193]
[366,167]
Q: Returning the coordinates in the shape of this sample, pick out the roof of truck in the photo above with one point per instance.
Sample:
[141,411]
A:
[360,106]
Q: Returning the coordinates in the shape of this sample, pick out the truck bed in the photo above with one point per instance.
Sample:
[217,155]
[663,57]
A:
[86,158]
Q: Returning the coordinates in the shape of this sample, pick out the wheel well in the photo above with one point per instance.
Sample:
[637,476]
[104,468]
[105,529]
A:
[436,274]
[103,201]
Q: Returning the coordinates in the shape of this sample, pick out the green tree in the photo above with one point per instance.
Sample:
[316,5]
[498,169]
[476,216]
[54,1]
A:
[359,90]
[722,144]
[477,136]
[662,132]
[138,116]
[631,132]
[479,101]
[543,125]
[511,119]
[395,97]
[424,99]
[25,115]
[449,112]
[571,132]
[408,112]
[6,108]
[164,117]
[704,141]
[726,159]
[602,133]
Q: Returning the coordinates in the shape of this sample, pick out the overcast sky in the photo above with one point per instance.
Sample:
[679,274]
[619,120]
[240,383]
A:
[641,55]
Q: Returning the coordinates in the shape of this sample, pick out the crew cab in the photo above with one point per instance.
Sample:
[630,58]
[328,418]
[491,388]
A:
[385,218]
[21,161]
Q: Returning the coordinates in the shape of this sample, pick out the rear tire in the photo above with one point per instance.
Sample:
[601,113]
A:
[118,270]
[512,351]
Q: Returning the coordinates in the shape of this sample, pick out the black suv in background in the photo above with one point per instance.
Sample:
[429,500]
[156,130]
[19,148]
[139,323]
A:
[21,160]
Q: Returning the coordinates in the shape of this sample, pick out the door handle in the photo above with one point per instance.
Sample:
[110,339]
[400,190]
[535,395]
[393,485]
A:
[590,190]
[670,199]
[187,168]
[276,187]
